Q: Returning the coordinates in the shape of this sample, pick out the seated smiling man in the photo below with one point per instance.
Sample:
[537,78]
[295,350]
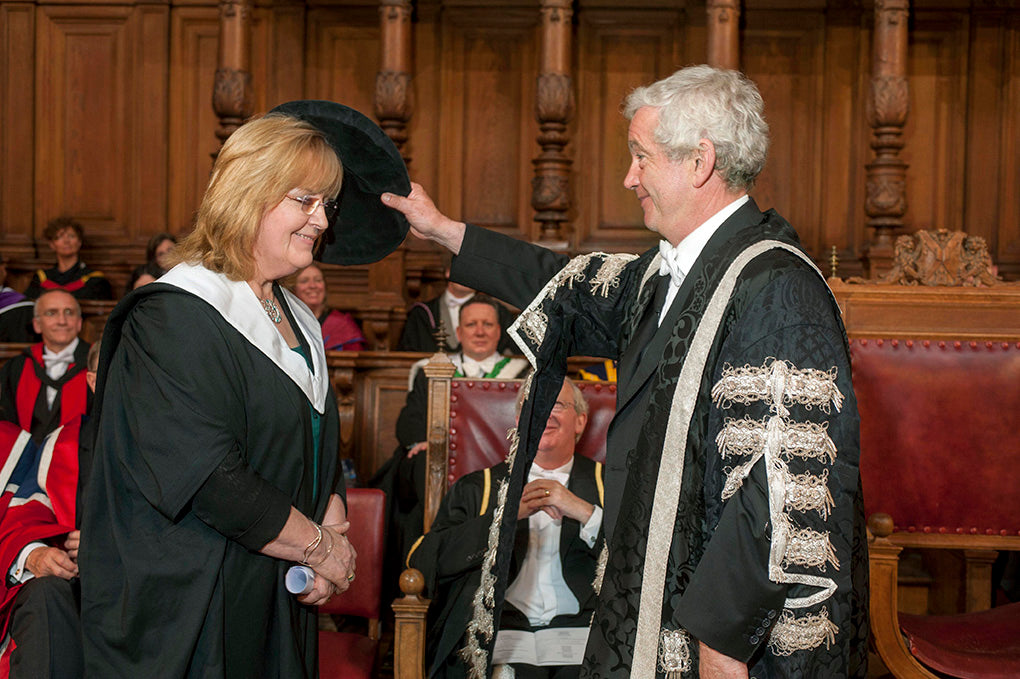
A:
[550,600]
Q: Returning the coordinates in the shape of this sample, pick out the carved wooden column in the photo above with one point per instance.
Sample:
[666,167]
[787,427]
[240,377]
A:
[886,201]
[393,82]
[232,93]
[554,106]
[723,33]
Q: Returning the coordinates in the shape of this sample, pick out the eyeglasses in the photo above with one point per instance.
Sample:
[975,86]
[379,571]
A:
[560,406]
[53,313]
[309,204]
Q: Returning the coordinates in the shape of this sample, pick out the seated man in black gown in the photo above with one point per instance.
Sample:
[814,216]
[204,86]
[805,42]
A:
[550,600]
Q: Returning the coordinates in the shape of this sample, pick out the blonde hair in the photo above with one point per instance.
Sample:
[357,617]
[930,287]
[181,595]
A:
[260,162]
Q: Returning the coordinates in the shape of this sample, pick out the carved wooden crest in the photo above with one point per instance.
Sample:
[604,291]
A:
[939,257]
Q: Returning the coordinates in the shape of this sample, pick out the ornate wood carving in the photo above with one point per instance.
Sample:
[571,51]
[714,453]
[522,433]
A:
[723,33]
[393,82]
[554,107]
[232,91]
[888,103]
[940,257]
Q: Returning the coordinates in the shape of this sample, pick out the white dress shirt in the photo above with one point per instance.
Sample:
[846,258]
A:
[539,590]
[56,365]
[678,260]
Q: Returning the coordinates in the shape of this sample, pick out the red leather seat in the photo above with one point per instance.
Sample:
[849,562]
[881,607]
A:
[348,655]
[980,645]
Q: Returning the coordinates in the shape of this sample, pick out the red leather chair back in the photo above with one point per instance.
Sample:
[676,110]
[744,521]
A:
[481,412]
[939,433]
[366,509]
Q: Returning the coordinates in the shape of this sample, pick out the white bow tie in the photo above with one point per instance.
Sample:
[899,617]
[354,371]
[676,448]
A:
[669,263]
[538,473]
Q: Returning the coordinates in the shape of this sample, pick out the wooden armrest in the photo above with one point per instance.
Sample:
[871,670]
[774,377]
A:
[409,614]
[883,560]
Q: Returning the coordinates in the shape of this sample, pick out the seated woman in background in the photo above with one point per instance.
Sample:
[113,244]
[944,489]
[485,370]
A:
[65,237]
[156,253]
[340,332]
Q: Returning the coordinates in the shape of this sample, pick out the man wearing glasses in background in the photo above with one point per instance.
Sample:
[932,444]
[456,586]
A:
[44,386]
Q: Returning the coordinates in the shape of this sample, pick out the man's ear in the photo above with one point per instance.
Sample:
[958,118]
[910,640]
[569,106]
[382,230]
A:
[704,162]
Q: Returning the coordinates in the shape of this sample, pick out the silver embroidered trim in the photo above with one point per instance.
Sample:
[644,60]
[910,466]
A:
[807,492]
[779,440]
[794,439]
[608,276]
[791,634]
[600,568]
[674,652]
[484,600]
[530,328]
[807,547]
[780,384]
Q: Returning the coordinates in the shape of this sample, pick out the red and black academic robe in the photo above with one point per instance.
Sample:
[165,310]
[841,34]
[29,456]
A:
[80,280]
[23,382]
[39,482]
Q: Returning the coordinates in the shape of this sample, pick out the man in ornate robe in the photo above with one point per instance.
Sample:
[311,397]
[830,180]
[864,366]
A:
[734,523]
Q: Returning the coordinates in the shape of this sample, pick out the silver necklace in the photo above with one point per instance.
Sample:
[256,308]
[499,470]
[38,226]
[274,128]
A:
[271,309]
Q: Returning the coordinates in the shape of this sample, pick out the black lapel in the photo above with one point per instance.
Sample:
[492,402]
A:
[648,360]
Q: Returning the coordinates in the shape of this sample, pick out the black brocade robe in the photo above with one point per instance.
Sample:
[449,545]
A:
[163,593]
[724,580]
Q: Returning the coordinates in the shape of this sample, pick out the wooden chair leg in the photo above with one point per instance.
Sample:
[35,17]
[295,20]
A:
[979,578]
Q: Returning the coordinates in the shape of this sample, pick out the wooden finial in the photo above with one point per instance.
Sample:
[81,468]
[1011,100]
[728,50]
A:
[440,336]
[833,262]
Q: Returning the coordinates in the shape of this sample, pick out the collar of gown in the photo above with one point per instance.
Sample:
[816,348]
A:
[239,307]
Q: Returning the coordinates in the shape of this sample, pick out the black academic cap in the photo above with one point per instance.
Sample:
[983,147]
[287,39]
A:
[364,229]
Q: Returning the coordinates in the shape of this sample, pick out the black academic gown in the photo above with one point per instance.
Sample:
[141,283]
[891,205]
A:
[450,557]
[164,594]
[717,586]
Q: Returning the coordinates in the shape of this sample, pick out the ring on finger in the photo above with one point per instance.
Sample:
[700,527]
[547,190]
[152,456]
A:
[350,578]
[547,492]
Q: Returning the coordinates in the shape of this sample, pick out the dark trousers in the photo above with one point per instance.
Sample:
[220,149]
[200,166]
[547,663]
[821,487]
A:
[46,629]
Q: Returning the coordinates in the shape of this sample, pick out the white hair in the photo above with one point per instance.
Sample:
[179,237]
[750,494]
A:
[702,102]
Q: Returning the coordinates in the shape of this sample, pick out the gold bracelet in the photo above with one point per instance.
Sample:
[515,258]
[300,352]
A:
[329,550]
[312,545]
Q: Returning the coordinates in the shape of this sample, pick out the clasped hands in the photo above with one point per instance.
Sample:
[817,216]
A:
[60,561]
[333,562]
[553,498]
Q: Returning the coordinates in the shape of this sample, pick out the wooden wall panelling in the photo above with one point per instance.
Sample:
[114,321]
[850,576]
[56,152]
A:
[278,54]
[194,41]
[487,128]
[381,390]
[784,53]
[422,146]
[935,139]
[993,124]
[845,135]
[1007,250]
[17,127]
[617,51]
[343,55]
[101,120]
